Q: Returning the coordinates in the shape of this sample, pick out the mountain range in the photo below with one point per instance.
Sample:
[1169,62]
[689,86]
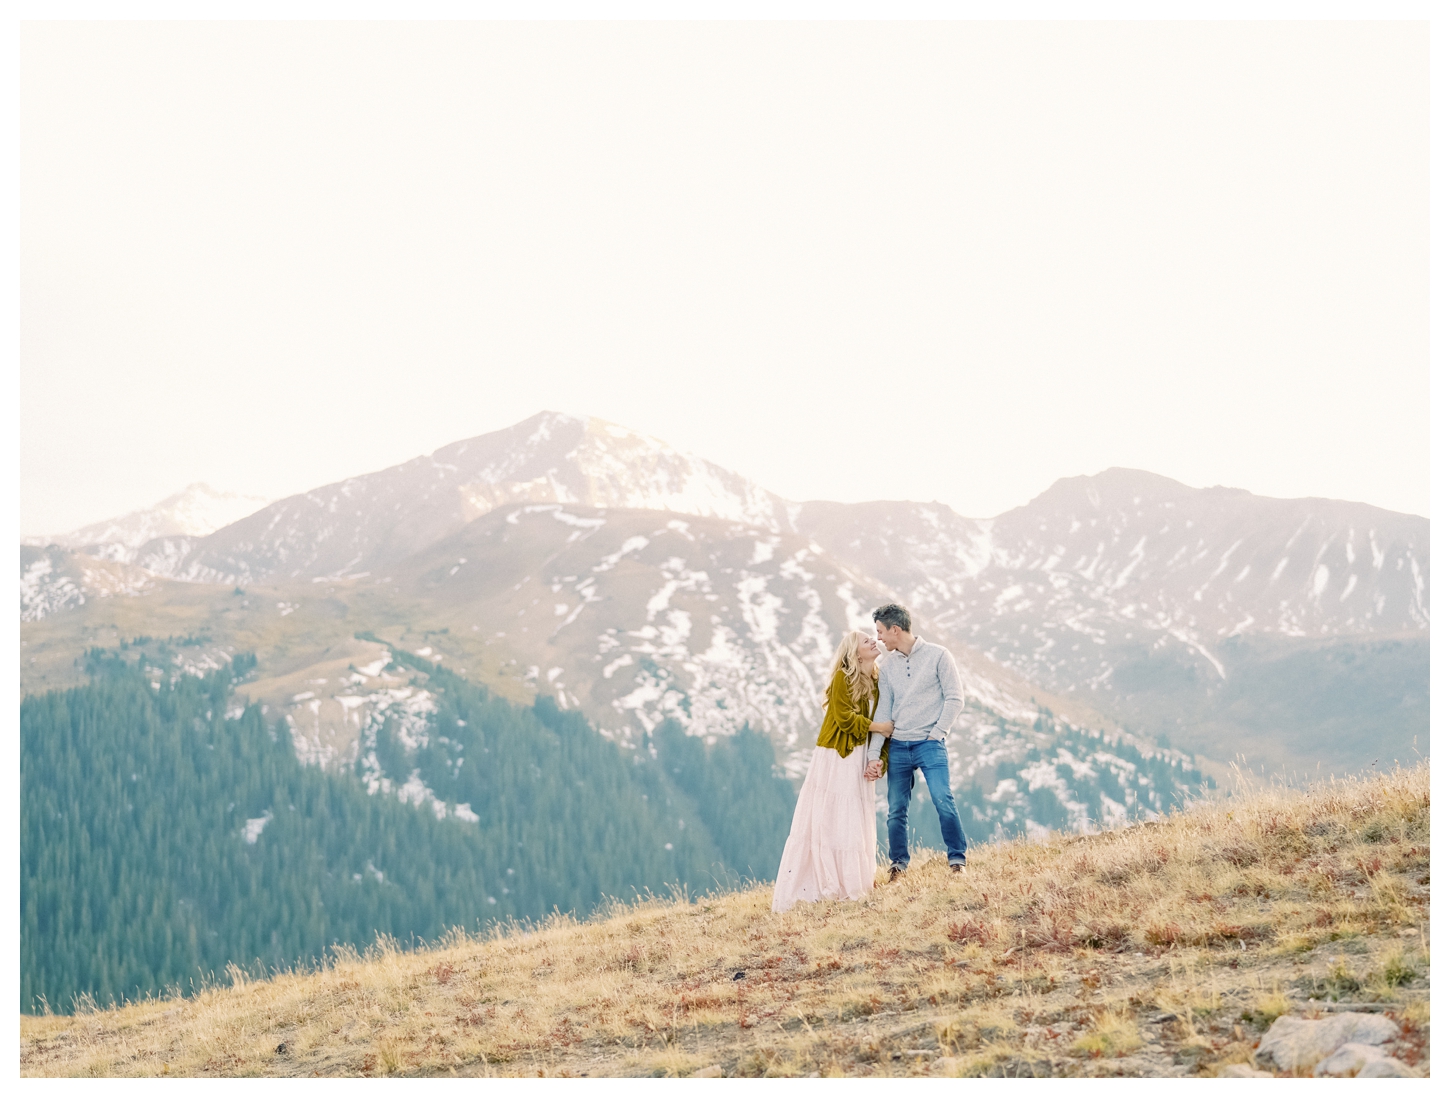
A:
[1216,617]
[575,558]
[196,510]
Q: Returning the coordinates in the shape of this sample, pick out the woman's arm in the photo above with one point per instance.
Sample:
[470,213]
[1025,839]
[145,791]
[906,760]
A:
[841,710]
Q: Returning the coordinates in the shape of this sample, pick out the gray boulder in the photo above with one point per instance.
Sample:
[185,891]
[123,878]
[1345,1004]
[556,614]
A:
[1294,1043]
[1348,1060]
[1386,1067]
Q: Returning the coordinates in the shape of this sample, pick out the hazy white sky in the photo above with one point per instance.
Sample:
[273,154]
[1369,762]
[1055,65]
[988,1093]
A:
[852,261]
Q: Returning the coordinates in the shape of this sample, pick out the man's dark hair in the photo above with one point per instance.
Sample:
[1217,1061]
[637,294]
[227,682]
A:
[891,614]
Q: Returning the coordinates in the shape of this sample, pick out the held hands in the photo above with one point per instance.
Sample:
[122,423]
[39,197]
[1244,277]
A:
[873,768]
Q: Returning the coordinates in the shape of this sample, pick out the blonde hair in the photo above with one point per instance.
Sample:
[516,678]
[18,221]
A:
[857,677]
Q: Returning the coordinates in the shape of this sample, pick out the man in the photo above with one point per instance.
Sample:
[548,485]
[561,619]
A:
[921,693]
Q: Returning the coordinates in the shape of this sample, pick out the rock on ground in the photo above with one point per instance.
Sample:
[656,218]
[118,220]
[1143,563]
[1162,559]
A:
[1348,1060]
[1386,1067]
[1293,1043]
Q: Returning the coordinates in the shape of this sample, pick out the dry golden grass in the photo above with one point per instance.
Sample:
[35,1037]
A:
[1159,949]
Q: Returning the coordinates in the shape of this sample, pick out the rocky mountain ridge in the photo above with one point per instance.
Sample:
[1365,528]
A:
[1190,612]
[1094,556]
[1116,588]
[1129,551]
[366,523]
[195,511]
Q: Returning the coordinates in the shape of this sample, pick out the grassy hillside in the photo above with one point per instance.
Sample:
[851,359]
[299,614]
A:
[1161,949]
[295,630]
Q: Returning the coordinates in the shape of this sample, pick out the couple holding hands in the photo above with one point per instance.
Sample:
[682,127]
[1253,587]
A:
[884,714]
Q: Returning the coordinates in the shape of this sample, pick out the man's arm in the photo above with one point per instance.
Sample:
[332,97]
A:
[953,700]
[886,698]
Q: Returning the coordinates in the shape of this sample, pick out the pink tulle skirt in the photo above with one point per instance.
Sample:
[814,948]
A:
[831,852]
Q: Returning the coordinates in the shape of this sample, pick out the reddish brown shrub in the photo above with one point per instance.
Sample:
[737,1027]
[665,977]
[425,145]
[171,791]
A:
[969,931]
[1163,934]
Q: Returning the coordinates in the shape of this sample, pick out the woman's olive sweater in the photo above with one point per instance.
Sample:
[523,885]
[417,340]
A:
[847,724]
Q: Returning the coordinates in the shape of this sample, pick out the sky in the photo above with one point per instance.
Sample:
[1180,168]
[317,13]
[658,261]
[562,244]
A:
[949,261]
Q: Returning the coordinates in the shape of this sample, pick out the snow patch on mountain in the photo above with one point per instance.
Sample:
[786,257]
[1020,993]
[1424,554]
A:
[410,714]
[252,831]
[45,590]
[53,580]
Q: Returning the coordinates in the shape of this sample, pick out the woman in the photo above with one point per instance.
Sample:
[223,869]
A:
[831,852]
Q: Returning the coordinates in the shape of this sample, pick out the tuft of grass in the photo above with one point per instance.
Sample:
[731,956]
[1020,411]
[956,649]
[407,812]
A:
[1114,1034]
[984,1060]
[390,1056]
[1266,1007]
[1399,968]
[1416,1014]
[1214,1061]
[1340,980]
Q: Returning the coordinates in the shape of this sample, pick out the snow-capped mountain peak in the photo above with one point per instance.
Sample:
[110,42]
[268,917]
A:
[195,511]
[369,522]
[589,461]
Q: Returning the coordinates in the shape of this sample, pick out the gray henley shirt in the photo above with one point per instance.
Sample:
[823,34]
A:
[920,691]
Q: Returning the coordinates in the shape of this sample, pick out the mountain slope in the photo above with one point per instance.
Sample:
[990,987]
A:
[369,523]
[1097,557]
[53,580]
[634,618]
[1178,611]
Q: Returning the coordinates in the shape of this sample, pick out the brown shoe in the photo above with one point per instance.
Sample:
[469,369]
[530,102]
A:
[893,873]
[956,867]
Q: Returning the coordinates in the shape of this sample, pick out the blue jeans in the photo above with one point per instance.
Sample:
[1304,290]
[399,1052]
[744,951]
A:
[930,756]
